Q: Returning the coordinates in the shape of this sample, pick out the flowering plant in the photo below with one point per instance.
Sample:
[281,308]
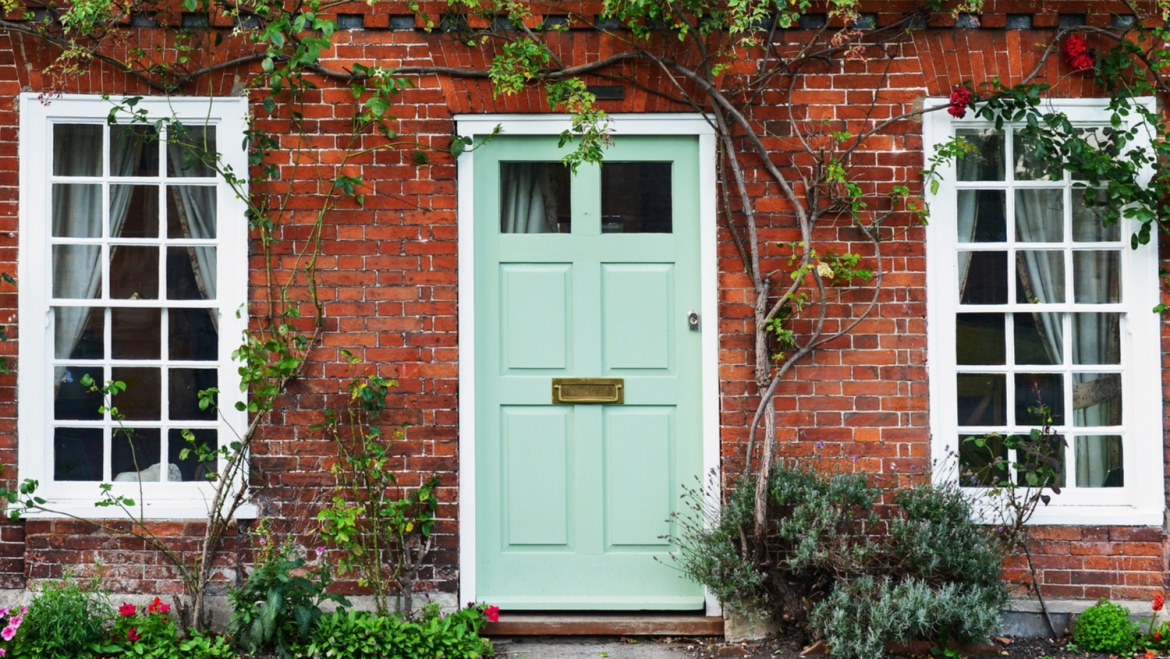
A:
[1156,636]
[148,632]
[960,100]
[11,621]
[1076,53]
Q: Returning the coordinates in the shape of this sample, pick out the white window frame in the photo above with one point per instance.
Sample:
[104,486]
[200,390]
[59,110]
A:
[1141,501]
[34,381]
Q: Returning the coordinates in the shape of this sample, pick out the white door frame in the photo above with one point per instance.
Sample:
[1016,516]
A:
[473,125]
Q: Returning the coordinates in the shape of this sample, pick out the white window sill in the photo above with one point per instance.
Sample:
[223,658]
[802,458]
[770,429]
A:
[1088,516]
[154,510]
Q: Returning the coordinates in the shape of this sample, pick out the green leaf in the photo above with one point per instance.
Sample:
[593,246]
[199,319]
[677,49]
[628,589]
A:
[419,158]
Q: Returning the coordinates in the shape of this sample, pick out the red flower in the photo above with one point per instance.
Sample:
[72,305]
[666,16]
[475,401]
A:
[1159,601]
[492,613]
[960,99]
[127,609]
[133,635]
[158,607]
[1157,634]
[1150,655]
[1076,53]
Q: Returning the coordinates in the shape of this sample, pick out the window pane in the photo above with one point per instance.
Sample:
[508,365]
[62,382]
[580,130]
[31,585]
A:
[141,401]
[1097,277]
[133,151]
[982,216]
[534,197]
[1099,461]
[982,399]
[1099,138]
[981,466]
[1032,164]
[133,272]
[190,151]
[1096,399]
[77,150]
[1039,276]
[190,469]
[134,211]
[1096,338]
[1086,222]
[185,385]
[79,332]
[191,212]
[75,401]
[1035,389]
[136,333]
[985,160]
[193,335]
[136,457]
[636,197]
[979,338]
[983,277]
[1040,216]
[77,454]
[77,271]
[191,273]
[77,210]
[1054,449]
[1038,338]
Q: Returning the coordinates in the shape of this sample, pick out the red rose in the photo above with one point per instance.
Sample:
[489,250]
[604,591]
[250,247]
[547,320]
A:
[1076,53]
[492,613]
[960,99]
[133,635]
[1159,602]
[127,609]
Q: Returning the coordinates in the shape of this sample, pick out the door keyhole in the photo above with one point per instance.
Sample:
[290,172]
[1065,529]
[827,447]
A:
[693,321]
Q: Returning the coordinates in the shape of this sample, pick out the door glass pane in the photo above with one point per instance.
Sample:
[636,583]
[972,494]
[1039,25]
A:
[191,273]
[984,162]
[1034,390]
[1097,277]
[185,385]
[133,151]
[135,455]
[136,333]
[1040,216]
[1096,338]
[190,469]
[979,338]
[79,332]
[983,277]
[1099,461]
[636,197]
[134,211]
[1086,222]
[982,399]
[77,210]
[133,272]
[1096,399]
[77,454]
[982,466]
[534,197]
[1039,276]
[1038,338]
[77,271]
[1032,164]
[77,150]
[73,400]
[982,216]
[141,401]
[191,212]
[191,151]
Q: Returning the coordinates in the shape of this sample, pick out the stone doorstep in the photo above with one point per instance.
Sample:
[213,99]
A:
[599,624]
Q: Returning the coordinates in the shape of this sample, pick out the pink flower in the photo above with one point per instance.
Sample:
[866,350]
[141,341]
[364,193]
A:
[133,635]
[23,610]
[492,613]
[16,622]
[3,652]
[127,610]
[960,99]
[158,607]
[319,550]
[8,632]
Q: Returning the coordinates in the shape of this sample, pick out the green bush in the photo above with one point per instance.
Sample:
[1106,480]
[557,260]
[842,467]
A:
[1105,627]
[65,619]
[363,635]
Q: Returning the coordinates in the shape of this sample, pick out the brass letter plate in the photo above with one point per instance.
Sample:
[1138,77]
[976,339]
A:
[569,391]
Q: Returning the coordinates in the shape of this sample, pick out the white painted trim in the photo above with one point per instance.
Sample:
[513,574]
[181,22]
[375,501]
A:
[543,124]
[1141,502]
[229,115]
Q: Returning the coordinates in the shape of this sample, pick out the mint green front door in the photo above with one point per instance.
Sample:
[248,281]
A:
[588,276]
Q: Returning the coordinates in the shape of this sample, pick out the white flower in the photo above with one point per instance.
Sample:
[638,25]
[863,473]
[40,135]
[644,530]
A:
[824,270]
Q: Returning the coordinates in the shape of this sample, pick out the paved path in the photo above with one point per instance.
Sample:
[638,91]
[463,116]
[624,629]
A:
[587,649]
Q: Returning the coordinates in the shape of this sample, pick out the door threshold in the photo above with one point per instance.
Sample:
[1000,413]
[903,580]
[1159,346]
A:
[617,623]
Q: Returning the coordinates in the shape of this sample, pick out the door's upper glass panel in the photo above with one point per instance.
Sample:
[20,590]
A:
[534,197]
[636,197]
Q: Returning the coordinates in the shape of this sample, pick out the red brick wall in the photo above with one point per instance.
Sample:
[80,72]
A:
[388,279]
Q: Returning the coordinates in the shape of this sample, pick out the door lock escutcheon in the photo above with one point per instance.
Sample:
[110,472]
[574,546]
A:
[693,321]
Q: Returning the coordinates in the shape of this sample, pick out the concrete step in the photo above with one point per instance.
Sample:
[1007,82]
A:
[604,624]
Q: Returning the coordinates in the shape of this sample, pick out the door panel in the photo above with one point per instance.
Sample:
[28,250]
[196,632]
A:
[573,501]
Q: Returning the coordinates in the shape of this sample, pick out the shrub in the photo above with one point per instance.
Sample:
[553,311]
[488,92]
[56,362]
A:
[64,620]
[1105,627]
[363,635]
[144,633]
